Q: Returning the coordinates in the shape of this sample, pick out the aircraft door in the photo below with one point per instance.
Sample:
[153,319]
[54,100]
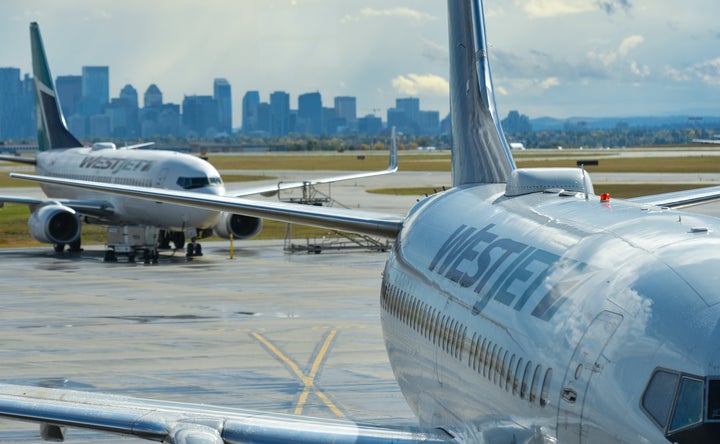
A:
[160,179]
[583,365]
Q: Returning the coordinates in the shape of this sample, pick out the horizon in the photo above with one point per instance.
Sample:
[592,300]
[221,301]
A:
[624,57]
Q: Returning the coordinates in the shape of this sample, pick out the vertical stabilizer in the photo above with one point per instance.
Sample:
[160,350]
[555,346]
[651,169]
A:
[480,152]
[51,129]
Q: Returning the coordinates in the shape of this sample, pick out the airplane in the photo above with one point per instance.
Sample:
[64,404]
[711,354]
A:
[58,219]
[517,306]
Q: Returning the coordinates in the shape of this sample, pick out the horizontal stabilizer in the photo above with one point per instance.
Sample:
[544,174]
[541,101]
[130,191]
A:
[166,421]
[680,199]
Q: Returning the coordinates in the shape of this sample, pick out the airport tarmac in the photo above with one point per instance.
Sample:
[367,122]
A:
[256,331]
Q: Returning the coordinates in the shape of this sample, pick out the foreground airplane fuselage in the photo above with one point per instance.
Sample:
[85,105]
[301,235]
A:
[160,169]
[559,310]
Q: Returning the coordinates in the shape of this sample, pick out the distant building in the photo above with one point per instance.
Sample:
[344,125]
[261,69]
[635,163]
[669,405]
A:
[369,125]
[250,104]
[69,93]
[222,93]
[200,116]
[153,96]
[346,110]
[17,105]
[279,113]
[310,115]
[123,113]
[95,89]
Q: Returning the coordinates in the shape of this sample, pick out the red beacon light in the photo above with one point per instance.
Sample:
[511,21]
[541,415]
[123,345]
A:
[605,197]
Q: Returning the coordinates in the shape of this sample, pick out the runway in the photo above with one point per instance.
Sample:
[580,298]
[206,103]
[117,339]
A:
[291,333]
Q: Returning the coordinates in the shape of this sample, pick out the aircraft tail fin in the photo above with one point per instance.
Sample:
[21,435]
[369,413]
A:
[52,131]
[480,153]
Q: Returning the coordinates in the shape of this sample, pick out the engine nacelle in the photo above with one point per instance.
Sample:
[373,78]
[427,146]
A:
[241,227]
[55,224]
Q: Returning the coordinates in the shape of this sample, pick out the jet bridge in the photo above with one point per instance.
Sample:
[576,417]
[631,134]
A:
[309,194]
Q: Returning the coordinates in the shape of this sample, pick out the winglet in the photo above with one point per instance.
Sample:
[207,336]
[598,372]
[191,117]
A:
[52,132]
[480,152]
[393,161]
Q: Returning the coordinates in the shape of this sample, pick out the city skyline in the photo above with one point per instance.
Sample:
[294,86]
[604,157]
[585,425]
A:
[558,58]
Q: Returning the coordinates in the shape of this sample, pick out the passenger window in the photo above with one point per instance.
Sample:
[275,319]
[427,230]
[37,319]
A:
[534,384]
[689,406]
[524,386]
[516,382]
[509,376]
[545,388]
[659,394]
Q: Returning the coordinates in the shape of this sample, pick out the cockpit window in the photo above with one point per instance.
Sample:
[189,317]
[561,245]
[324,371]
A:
[659,395]
[689,405]
[189,183]
[713,413]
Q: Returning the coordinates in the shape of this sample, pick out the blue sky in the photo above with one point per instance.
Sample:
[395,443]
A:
[557,58]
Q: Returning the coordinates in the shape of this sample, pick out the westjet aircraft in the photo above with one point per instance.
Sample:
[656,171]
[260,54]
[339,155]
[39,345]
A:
[517,307]
[58,219]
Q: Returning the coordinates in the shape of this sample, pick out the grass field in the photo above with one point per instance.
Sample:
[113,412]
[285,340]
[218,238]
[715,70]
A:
[13,218]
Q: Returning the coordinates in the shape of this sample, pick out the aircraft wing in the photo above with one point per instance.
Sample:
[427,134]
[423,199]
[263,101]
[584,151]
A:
[185,423]
[680,199]
[87,207]
[364,222]
[269,190]
[18,159]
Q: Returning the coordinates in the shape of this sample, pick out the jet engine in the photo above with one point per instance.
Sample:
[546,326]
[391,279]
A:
[241,227]
[55,224]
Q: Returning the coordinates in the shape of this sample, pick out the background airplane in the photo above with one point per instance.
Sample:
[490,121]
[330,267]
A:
[516,307]
[58,219]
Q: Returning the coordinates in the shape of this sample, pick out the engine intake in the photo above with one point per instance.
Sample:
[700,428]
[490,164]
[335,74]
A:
[55,224]
[241,227]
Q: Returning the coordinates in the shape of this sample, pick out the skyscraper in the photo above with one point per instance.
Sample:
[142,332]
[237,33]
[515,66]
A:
[69,92]
[279,113]
[200,116]
[16,104]
[222,93]
[95,89]
[346,108]
[310,113]
[153,96]
[250,103]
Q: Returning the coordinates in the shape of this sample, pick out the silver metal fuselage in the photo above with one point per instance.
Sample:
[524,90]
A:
[594,295]
[148,168]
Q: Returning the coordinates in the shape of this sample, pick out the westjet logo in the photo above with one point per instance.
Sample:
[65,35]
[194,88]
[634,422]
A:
[116,165]
[507,271]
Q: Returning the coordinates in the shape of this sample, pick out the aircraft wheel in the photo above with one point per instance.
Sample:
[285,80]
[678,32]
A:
[75,246]
[198,250]
[58,248]
[190,250]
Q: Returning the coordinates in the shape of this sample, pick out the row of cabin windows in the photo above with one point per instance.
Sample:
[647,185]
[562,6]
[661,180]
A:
[106,179]
[499,366]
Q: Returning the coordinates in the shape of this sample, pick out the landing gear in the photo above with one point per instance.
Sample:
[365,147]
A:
[59,248]
[176,237]
[194,248]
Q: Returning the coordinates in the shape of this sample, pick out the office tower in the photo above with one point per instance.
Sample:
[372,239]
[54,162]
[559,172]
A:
[346,108]
[95,89]
[309,113]
[369,125]
[222,93]
[250,103]
[152,97]
[123,112]
[16,105]
[200,116]
[69,93]
[279,113]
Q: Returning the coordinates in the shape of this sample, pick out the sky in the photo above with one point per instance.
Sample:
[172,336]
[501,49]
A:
[558,58]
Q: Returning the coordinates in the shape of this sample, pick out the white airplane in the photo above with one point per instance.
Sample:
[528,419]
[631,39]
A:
[58,219]
[517,307]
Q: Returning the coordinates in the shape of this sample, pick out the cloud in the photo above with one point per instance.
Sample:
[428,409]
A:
[708,72]
[629,43]
[416,84]
[549,82]
[640,71]
[406,13]
[554,8]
